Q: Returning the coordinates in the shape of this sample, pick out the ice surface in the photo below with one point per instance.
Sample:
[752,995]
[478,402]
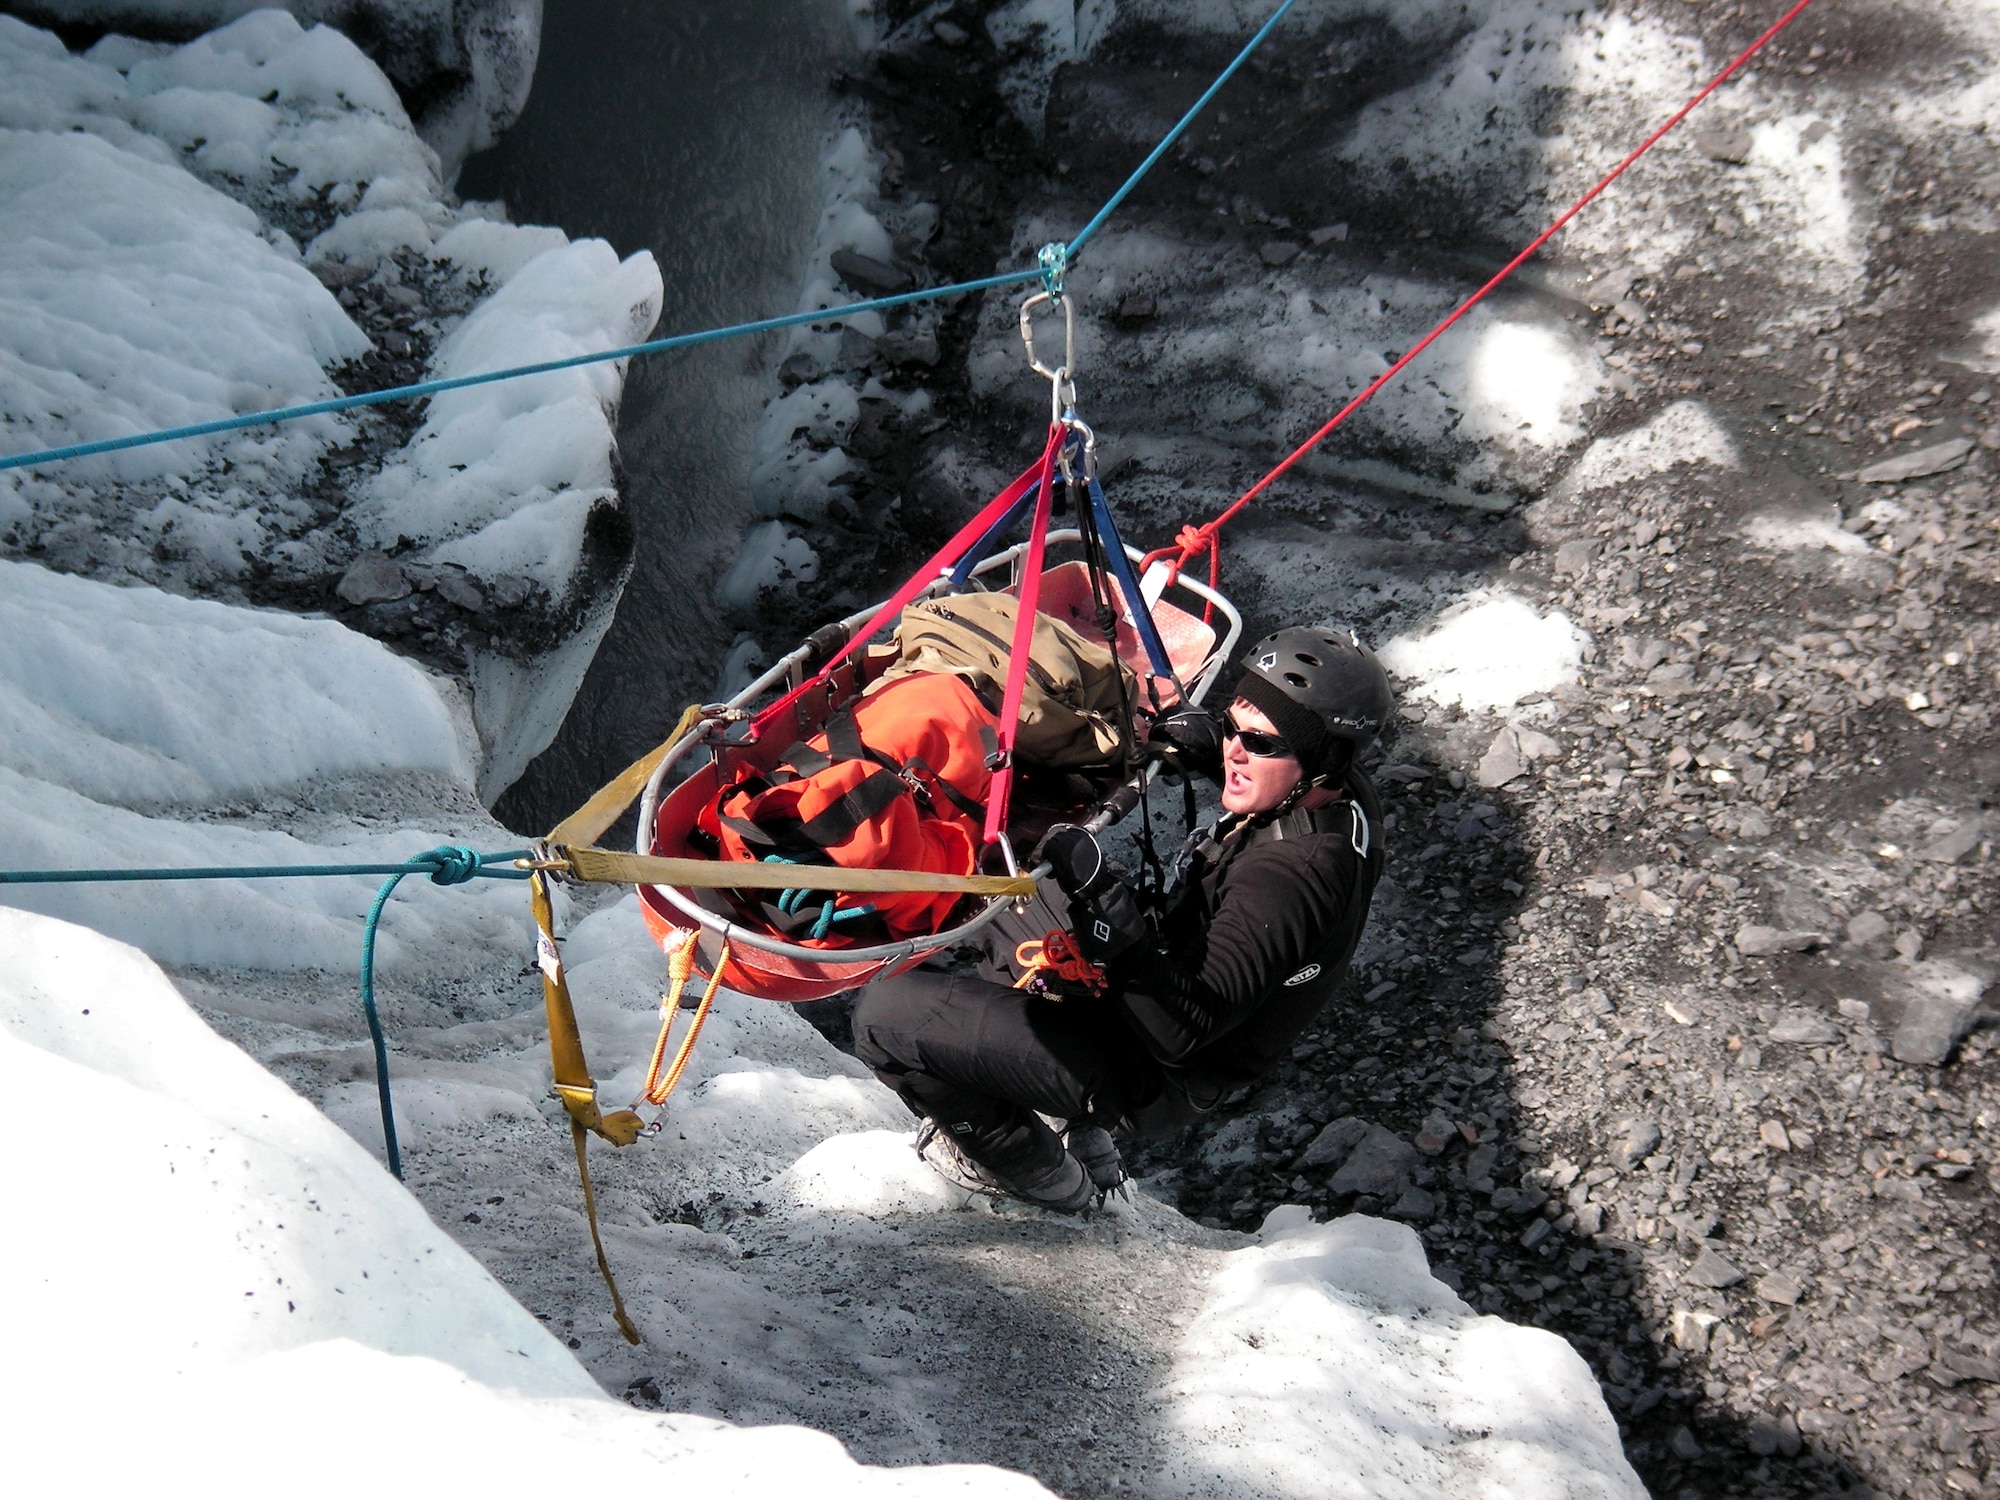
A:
[1329,1362]
[502,477]
[288,1297]
[144,699]
[262,924]
[117,705]
[1684,433]
[1488,651]
[470,61]
[1792,532]
[148,292]
[137,297]
[770,556]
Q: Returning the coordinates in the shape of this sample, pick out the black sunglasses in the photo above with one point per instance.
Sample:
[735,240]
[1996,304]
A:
[1256,741]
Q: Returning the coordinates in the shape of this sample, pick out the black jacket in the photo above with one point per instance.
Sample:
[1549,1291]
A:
[1258,942]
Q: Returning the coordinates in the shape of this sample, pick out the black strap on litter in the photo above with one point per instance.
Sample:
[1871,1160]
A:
[833,825]
[805,760]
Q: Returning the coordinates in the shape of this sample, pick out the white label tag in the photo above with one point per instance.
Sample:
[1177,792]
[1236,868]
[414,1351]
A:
[548,958]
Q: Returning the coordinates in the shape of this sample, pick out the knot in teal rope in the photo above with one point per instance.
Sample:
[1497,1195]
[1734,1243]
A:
[1053,258]
[455,864]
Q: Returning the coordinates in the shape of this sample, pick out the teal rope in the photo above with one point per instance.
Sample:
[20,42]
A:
[450,864]
[1167,141]
[460,382]
[423,864]
[1046,272]
[375,1025]
[453,864]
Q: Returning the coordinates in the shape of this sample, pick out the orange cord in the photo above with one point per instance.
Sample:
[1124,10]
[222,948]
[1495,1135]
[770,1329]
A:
[662,1078]
[1057,954]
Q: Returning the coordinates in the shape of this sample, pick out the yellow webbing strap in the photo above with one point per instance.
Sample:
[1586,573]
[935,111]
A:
[625,1325]
[573,1083]
[607,867]
[587,824]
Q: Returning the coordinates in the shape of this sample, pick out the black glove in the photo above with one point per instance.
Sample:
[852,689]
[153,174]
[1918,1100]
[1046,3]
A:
[1190,739]
[1103,912]
[1075,860]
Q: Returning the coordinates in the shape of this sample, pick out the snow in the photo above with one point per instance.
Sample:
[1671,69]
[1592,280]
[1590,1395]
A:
[289,1298]
[1488,651]
[145,699]
[502,478]
[1684,433]
[1328,1362]
[471,61]
[806,1153]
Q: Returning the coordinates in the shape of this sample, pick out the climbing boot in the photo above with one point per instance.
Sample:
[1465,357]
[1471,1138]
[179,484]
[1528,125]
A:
[1093,1147]
[1064,1188]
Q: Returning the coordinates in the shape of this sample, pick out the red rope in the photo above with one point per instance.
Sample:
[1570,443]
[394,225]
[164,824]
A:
[1000,793]
[1194,540]
[941,561]
[1057,953]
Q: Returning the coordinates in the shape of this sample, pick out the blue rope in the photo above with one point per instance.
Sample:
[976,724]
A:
[1049,269]
[1121,569]
[375,1025]
[450,864]
[435,863]
[1167,141]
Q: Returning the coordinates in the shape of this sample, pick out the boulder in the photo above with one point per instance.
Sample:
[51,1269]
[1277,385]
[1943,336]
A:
[1713,1270]
[1935,459]
[867,274]
[1332,1145]
[373,578]
[1642,1139]
[1762,942]
[1945,1004]
[1951,846]
[1380,1165]
[1576,556]
[1723,144]
[1805,1028]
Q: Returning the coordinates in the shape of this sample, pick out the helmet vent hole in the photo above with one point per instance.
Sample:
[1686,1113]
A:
[1295,680]
[1311,661]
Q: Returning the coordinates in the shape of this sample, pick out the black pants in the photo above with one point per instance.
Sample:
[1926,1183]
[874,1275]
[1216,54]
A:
[981,1059]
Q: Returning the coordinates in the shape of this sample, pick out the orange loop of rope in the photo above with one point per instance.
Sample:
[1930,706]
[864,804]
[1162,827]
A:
[1057,954]
[662,1078]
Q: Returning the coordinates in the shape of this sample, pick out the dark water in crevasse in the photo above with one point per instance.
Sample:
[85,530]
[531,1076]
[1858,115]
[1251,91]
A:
[691,128]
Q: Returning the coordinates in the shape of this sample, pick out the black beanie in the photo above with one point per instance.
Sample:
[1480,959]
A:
[1296,724]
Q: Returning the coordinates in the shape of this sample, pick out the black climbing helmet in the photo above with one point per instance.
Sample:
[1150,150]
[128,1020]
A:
[1323,690]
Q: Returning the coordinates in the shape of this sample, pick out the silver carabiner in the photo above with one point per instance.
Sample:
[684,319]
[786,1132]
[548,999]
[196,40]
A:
[1067,369]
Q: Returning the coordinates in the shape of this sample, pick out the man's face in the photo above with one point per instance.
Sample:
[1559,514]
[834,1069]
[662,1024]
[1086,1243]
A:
[1255,783]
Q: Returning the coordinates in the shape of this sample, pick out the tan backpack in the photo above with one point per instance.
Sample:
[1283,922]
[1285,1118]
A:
[1072,700]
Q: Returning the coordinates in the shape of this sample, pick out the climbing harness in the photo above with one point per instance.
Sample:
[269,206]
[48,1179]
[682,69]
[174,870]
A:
[1192,541]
